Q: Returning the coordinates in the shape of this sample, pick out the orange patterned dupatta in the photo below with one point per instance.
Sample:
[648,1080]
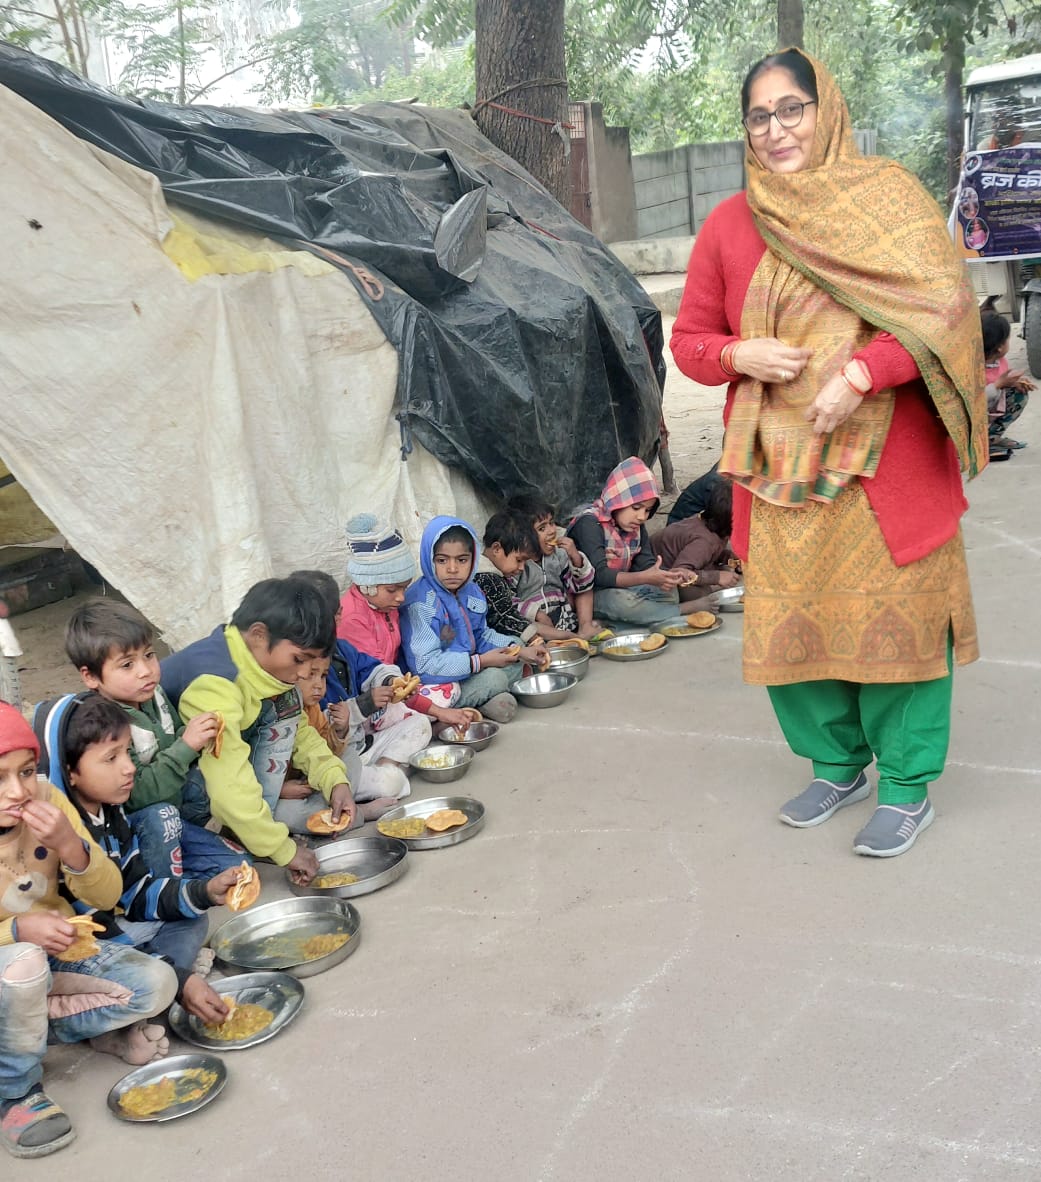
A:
[854,245]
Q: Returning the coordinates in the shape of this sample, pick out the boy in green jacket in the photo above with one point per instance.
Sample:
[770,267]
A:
[113,647]
[247,673]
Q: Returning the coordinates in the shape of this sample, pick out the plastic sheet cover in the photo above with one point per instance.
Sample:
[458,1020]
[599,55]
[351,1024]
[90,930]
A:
[529,357]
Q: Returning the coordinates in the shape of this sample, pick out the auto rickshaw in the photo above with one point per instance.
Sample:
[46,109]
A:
[996,219]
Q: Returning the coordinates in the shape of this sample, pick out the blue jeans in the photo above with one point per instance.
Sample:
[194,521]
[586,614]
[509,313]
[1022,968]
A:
[175,940]
[643,605]
[195,800]
[171,846]
[481,687]
[130,987]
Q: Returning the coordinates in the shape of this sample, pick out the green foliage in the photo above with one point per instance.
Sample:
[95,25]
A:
[337,49]
[446,81]
[670,70]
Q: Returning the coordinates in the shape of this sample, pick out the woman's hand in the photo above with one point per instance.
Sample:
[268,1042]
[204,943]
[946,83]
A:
[835,402]
[770,360]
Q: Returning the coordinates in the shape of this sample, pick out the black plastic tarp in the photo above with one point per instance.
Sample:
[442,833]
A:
[529,356]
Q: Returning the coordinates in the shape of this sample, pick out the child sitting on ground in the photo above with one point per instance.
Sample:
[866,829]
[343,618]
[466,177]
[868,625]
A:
[555,588]
[248,672]
[444,627]
[632,584]
[509,542]
[88,755]
[1007,390]
[374,741]
[698,545]
[105,996]
[380,568]
[112,646]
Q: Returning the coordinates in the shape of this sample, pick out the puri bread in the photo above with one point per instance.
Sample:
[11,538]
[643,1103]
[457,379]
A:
[322,822]
[445,819]
[246,890]
[701,619]
[652,643]
[404,687]
[218,739]
[84,945]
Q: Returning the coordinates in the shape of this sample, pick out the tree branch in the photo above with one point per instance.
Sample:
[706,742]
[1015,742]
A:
[29,12]
[228,73]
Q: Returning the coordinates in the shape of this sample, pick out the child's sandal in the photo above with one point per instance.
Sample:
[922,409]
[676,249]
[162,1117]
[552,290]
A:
[34,1126]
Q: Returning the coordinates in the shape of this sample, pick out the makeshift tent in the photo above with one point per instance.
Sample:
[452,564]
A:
[199,394]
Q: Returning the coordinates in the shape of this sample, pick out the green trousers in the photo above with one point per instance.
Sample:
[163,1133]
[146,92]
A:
[842,725]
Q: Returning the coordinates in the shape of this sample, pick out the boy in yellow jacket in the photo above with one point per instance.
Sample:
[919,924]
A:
[54,984]
[248,673]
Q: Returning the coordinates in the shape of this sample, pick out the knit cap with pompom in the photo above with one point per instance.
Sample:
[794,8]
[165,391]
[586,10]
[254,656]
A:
[377,554]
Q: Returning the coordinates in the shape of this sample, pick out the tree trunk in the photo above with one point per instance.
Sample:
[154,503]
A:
[520,64]
[952,79]
[789,23]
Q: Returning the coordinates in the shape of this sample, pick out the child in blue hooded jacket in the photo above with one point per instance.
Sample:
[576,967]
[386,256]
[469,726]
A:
[444,629]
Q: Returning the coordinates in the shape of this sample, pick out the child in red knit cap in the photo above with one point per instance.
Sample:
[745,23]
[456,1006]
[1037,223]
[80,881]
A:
[50,986]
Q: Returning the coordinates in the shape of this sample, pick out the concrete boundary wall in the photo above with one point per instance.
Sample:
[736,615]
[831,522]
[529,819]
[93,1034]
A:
[677,189]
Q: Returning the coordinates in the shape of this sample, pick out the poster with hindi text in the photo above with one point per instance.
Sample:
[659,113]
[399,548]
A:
[997,210]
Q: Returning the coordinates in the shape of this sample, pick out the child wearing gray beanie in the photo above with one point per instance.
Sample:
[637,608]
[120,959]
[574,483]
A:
[380,567]
[377,554]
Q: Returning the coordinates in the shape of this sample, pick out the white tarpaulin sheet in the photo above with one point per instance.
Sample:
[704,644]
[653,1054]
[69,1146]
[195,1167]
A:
[188,437]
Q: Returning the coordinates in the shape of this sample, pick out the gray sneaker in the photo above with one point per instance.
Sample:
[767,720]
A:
[820,800]
[893,829]
[501,708]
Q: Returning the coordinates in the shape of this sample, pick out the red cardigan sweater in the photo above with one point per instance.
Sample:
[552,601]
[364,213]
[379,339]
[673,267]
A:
[916,493]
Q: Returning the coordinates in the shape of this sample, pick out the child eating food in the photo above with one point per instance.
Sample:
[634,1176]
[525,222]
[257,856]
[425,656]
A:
[445,631]
[632,585]
[54,984]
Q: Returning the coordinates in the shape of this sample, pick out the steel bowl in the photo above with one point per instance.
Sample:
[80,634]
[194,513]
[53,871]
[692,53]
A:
[280,993]
[477,735]
[377,862]
[269,938]
[729,599]
[458,761]
[423,808]
[175,1068]
[626,647]
[543,690]
[572,659]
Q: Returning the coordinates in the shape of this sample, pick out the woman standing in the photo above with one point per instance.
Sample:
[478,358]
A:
[830,297]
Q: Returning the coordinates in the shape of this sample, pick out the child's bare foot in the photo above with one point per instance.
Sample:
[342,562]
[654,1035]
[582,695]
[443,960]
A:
[138,1044]
[590,630]
[372,810]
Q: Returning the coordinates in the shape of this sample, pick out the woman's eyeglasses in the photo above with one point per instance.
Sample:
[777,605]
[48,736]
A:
[788,115]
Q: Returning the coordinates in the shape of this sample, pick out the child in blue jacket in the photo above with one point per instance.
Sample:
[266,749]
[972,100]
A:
[444,629]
